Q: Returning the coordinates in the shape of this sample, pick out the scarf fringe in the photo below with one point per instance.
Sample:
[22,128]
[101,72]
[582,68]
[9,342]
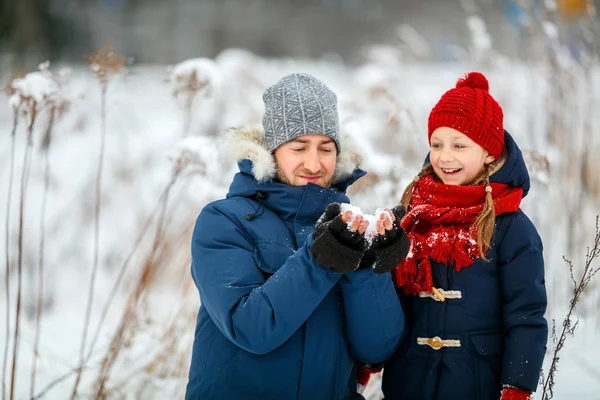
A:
[448,248]
[414,279]
[453,252]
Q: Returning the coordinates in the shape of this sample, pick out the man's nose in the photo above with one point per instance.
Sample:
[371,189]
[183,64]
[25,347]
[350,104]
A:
[312,162]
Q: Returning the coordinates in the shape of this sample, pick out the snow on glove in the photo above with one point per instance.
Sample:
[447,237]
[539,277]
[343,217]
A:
[391,247]
[513,393]
[336,246]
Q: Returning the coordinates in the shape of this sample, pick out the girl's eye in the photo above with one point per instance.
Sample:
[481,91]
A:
[435,145]
[297,149]
[326,151]
[460,146]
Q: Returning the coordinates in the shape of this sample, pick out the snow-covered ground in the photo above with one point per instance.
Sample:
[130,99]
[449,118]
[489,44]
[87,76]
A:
[150,133]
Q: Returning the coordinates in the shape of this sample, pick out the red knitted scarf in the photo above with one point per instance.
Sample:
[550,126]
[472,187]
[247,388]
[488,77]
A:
[439,226]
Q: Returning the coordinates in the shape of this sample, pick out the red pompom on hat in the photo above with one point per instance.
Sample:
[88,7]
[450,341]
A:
[470,109]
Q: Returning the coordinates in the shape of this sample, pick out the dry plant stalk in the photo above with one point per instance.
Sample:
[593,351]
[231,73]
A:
[148,272]
[27,104]
[31,107]
[178,166]
[105,63]
[169,337]
[394,126]
[123,269]
[537,161]
[192,85]
[56,109]
[159,366]
[10,92]
[568,326]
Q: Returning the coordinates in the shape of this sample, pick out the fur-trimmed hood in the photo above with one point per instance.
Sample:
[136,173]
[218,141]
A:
[246,144]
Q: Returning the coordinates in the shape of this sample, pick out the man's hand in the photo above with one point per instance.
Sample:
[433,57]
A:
[338,246]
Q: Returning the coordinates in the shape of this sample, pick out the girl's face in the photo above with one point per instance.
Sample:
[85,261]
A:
[456,159]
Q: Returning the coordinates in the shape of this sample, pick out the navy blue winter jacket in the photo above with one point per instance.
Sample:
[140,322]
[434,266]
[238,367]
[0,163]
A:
[497,316]
[273,324]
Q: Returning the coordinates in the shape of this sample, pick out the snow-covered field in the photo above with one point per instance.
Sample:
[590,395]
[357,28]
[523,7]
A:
[150,133]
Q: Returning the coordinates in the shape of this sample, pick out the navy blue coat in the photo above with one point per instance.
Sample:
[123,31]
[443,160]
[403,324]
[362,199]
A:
[499,320]
[273,324]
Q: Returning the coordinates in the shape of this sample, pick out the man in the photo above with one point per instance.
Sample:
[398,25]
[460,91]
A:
[285,313]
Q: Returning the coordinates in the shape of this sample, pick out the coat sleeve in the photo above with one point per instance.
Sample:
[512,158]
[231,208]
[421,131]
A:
[375,320]
[521,267]
[257,315]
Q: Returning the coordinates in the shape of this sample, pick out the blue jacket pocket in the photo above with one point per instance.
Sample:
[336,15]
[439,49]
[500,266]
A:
[487,344]
[488,364]
[270,256]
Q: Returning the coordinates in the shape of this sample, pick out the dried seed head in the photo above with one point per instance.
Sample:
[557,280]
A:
[192,77]
[35,92]
[106,62]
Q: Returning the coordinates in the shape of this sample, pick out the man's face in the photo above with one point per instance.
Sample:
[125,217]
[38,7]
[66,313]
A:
[306,159]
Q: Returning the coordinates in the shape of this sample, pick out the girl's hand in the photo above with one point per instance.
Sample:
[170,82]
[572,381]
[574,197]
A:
[391,244]
[385,223]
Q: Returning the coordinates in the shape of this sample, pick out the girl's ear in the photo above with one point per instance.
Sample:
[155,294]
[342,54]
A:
[489,159]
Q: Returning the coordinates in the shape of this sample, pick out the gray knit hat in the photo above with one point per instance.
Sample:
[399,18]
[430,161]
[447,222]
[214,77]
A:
[299,105]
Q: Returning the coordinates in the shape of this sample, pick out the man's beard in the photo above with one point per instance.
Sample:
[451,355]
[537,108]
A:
[283,179]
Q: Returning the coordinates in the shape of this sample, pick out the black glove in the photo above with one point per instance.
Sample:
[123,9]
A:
[336,247]
[367,261]
[392,247]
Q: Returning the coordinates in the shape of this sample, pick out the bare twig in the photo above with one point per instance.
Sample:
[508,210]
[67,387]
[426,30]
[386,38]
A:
[189,89]
[24,181]
[104,63]
[128,316]
[38,315]
[124,268]
[569,325]
[6,243]
[52,384]
[97,209]
[139,239]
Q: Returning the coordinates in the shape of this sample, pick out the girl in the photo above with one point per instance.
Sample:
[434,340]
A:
[473,282]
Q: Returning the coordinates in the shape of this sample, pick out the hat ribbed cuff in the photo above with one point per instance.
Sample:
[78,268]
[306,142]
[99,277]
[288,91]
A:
[467,126]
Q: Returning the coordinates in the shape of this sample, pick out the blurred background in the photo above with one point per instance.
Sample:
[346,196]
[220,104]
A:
[113,137]
[161,32]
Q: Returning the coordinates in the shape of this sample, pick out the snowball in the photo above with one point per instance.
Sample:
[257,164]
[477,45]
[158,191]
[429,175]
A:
[371,230]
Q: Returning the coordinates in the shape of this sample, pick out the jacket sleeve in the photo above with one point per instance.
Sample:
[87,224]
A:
[257,315]
[375,320]
[521,267]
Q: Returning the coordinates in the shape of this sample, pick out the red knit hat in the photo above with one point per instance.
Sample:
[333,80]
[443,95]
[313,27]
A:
[470,109]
